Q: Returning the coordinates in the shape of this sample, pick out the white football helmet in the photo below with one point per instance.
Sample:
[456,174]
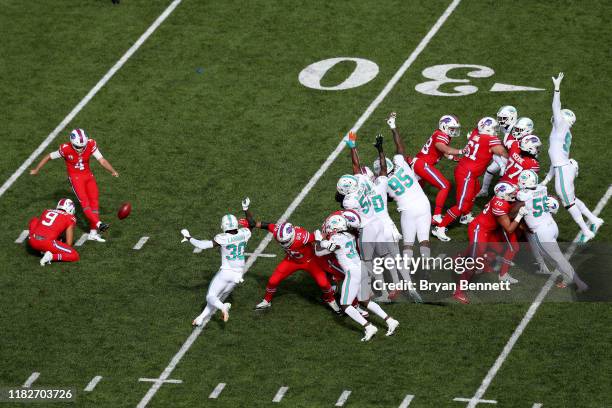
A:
[530,144]
[523,127]
[506,116]
[569,116]
[575,164]
[505,191]
[488,126]
[335,223]
[365,170]
[450,125]
[552,205]
[285,234]
[376,166]
[229,223]
[528,179]
[66,204]
[78,139]
[347,184]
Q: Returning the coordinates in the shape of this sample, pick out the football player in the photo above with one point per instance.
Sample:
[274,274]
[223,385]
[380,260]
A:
[482,145]
[77,154]
[506,117]
[356,282]
[232,244]
[46,230]
[424,163]
[564,172]
[522,157]
[298,245]
[543,230]
[412,203]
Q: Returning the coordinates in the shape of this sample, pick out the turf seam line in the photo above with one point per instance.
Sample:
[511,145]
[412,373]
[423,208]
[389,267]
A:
[92,384]
[33,377]
[83,102]
[531,312]
[315,178]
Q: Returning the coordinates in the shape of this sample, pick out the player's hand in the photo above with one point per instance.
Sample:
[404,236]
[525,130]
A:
[523,211]
[557,81]
[245,203]
[244,223]
[465,151]
[115,174]
[186,235]
[33,172]
[318,235]
[391,120]
[351,140]
[379,142]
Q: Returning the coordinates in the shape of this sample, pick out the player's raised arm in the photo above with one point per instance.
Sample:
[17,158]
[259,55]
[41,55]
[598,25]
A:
[202,244]
[399,143]
[351,142]
[556,103]
[381,154]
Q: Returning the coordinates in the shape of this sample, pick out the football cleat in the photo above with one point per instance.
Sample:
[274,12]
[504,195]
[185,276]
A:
[415,296]
[198,321]
[394,294]
[384,298]
[46,259]
[334,306]
[466,219]
[436,219]
[461,297]
[94,236]
[597,224]
[587,236]
[440,233]
[482,193]
[391,326]
[102,226]
[225,311]
[507,278]
[264,304]
[370,331]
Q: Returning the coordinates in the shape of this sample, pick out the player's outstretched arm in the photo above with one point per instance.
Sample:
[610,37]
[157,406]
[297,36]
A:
[399,143]
[106,164]
[556,104]
[40,164]
[499,150]
[511,226]
[447,150]
[351,142]
[202,244]
[250,220]
[381,154]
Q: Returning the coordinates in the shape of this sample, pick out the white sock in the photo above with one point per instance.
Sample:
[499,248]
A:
[577,216]
[585,211]
[425,251]
[93,231]
[486,181]
[376,309]
[355,315]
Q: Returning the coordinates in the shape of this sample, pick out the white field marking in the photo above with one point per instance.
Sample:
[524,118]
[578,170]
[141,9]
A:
[261,255]
[83,102]
[480,401]
[531,312]
[300,197]
[280,394]
[343,397]
[33,377]
[217,391]
[140,243]
[81,240]
[22,237]
[406,401]
[537,405]
[513,88]
[92,384]
[157,380]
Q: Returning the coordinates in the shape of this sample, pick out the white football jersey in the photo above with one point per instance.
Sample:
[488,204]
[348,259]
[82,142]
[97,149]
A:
[232,249]
[535,202]
[361,203]
[346,251]
[403,186]
[560,136]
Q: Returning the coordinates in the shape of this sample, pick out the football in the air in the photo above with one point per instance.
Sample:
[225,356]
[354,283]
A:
[124,210]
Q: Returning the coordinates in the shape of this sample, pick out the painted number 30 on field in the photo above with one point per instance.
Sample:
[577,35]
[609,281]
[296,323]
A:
[439,81]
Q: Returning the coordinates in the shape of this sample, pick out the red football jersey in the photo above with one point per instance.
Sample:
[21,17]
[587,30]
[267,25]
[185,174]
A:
[429,153]
[301,249]
[487,219]
[510,141]
[478,153]
[518,163]
[52,224]
[78,163]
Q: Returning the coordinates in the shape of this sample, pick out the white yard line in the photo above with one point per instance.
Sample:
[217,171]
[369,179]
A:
[81,240]
[315,178]
[140,243]
[486,382]
[217,391]
[260,255]
[406,401]
[92,384]
[157,380]
[280,394]
[537,405]
[480,401]
[75,111]
[33,377]
[22,237]
[343,397]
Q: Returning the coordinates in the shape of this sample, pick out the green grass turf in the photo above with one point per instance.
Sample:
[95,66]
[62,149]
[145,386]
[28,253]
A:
[189,145]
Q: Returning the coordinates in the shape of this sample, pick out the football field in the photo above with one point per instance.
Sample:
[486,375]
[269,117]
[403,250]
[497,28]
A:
[199,104]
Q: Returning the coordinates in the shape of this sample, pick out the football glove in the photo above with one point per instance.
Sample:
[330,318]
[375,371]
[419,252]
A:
[557,81]
[318,235]
[186,235]
[351,140]
[379,142]
[391,120]
[245,203]
[244,223]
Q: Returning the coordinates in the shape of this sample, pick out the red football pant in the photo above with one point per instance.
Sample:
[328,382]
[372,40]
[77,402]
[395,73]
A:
[287,267]
[61,251]
[467,187]
[497,240]
[433,176]
[86,190]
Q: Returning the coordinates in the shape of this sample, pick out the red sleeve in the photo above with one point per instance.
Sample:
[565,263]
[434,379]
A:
[94,145]
[308,237]
[271,227]
[440,137]
[494,141]
[61,150]
[500,208]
